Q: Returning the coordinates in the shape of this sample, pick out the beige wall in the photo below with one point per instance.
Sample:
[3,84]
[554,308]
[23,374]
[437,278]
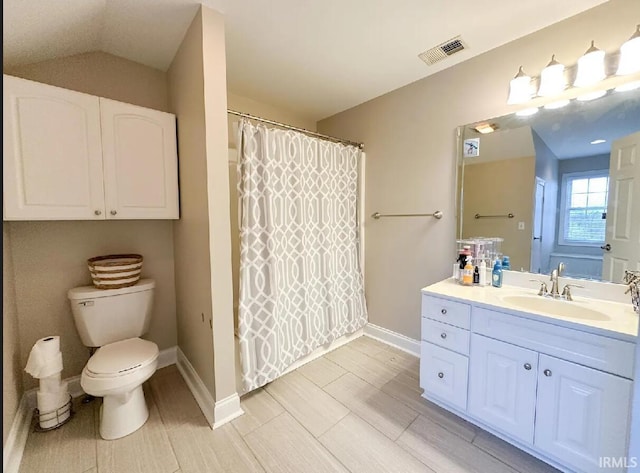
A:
[12,386]
[496,188]
[102,74]
[215,77]
[50,257]
[263,110]
[191,232]
[409,139]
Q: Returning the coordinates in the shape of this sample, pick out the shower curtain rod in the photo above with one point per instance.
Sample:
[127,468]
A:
[301,130]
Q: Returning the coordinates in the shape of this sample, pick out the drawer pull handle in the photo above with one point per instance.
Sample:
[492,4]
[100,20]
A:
[547,372]
[443,311]
[97,212]
[441,375]
[113,212]
[527,366]
[443,335]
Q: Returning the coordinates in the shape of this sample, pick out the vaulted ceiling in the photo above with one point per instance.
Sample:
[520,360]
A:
[313,57]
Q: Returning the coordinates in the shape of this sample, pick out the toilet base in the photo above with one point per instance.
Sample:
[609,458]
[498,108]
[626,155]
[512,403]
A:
[123,414]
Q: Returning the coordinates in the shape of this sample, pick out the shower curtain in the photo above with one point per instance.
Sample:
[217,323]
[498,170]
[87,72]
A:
[301,283]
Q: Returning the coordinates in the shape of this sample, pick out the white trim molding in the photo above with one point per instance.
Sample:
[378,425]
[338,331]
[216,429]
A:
[216,413]
[392,338]
[17,438]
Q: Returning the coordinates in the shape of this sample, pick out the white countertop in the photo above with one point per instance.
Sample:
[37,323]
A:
[623,324]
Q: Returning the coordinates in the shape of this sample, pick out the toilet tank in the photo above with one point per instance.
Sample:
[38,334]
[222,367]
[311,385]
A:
[104,316]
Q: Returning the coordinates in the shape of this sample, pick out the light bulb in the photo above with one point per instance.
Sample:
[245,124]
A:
[520,88]
[630,55]
[590,67]
[552,78]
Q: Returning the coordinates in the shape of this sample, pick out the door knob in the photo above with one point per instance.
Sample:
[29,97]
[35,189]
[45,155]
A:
[97,212]
[547,372]
[606,247]
[113,212]
[537,238]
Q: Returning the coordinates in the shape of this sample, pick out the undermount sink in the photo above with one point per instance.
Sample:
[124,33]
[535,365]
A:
[561,308]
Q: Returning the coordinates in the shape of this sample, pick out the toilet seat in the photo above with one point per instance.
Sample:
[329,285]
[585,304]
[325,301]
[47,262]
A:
[121,358]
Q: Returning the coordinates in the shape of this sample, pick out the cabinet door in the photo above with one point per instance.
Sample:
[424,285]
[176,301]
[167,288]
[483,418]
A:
[582,415]
[502,386]
[140,162]
[52,163]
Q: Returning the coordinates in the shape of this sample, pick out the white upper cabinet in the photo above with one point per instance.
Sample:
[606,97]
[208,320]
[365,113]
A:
[140,166]
[73,156]
[52,154]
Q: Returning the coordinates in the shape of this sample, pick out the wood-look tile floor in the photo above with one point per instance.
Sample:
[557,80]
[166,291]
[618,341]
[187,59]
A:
[357,409]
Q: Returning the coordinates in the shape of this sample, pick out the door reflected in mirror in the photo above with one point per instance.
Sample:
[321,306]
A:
[559,186]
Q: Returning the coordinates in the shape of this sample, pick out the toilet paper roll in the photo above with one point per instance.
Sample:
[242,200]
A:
[45,358]
[50,384]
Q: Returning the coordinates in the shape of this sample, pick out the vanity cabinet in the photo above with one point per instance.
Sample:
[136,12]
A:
[74,156]
[561,394]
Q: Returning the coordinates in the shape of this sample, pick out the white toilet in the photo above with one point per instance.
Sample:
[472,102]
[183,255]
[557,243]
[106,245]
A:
[113,319]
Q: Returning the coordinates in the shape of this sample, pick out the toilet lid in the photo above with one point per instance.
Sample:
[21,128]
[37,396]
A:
[119,358]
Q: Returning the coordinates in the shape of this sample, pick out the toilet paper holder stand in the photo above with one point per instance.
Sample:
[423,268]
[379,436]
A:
[61,415]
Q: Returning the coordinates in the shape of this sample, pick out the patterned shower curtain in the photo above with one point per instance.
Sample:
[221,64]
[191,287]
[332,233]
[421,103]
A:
[301,283]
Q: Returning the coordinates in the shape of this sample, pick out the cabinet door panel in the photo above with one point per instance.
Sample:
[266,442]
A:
[140,162]
[52,153]
[582,414]
[502,386]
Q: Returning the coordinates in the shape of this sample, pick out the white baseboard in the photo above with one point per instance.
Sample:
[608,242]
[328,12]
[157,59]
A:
[394,339]
[196,386]
[226,410]
[216,413]
[17,438]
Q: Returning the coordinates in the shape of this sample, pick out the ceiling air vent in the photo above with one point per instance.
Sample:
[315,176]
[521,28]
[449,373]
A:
[443,50]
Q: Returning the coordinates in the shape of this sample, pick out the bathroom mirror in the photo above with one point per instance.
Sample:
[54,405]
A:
[560,185]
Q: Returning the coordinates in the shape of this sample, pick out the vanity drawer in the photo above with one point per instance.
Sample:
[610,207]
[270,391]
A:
[588,349]
[449,312]
[445,335]
[443,374]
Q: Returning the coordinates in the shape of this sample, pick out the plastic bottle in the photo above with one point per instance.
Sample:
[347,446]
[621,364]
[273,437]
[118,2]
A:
[483,273]
[506,263]
[467,273]
[496,275]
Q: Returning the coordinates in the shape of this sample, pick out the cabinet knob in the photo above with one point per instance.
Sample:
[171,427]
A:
[113,212]
[440,375]
[547,372]
[443,335]
[527,366]
[97,212]
[443,311]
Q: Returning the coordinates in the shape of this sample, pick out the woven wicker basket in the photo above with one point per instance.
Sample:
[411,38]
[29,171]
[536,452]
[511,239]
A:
[115,271]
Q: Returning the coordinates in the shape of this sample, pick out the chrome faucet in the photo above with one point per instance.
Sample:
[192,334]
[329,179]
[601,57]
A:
[555,292]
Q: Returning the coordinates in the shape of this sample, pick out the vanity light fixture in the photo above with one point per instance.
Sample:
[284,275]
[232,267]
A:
[552,78]
[590,67]
[555,105]
[630,55]
[485,128]
[520,88]
[527,112]
[597,142]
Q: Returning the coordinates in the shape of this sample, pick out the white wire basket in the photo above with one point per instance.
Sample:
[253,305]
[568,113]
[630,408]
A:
[54,419]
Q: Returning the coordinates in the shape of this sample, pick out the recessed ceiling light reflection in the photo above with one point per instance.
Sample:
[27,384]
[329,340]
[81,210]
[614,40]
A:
[558,104]
[527,112]
[597,142]
[591,96]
